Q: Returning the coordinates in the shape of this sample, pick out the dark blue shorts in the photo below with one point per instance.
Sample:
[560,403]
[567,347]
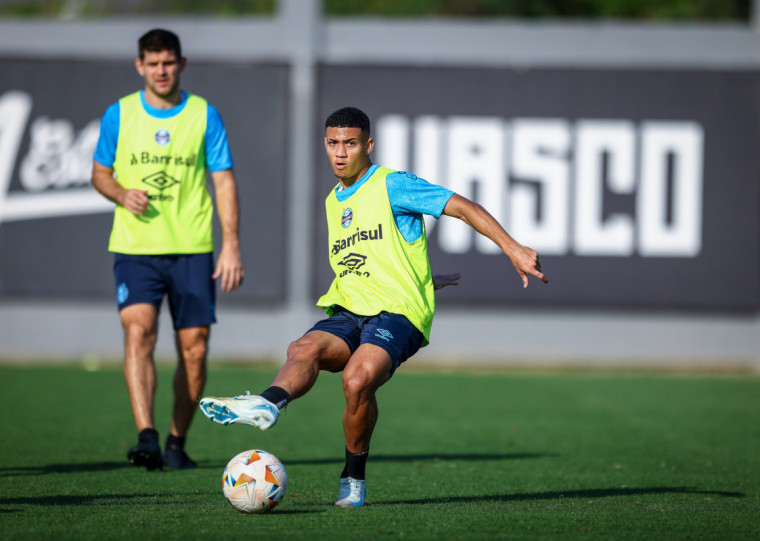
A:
[392,332]
[184,279]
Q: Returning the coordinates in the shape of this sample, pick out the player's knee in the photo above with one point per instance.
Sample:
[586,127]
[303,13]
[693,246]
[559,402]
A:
[356,384]
[195,354]
[137,334]
[193,347]
[303,350]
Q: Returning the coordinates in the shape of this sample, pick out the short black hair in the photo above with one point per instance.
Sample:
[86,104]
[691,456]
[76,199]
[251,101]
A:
[349,117]
[158,40]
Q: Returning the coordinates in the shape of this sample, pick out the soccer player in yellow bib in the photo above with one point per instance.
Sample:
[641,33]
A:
[380,304]
[154,150]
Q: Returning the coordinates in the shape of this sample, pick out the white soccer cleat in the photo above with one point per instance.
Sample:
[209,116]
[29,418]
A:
[249,409]
[351,493]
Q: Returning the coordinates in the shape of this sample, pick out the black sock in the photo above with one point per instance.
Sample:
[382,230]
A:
[356,464]
[175,443]
[148,435]
[277,396]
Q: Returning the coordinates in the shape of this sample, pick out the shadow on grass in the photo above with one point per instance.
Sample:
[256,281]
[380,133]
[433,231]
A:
[21,503]
[428,457]
[169,500]
[18,504]
[45,469]
[590,493]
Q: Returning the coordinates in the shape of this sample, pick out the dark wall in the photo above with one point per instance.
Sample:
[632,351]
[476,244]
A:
[49,118]
[639,188]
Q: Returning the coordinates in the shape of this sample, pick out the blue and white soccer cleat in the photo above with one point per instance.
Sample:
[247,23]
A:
[249,409]
[351,493]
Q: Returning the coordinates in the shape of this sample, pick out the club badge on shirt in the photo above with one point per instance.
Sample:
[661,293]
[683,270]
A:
[163,137]
[347,218]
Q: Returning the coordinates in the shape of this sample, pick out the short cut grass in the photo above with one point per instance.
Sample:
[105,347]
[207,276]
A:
[457,454]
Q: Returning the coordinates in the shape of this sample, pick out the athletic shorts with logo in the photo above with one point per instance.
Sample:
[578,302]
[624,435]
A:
[184,279]
[392,332]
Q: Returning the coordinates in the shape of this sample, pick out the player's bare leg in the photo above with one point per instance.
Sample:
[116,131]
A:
[368,369]
[308,355]
[189,380]
[140,323]
[190,377]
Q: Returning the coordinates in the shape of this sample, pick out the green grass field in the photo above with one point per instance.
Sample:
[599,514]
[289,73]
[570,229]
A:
[456,455]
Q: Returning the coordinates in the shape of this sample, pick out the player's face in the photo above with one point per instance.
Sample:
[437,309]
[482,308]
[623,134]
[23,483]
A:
[161,73]
[348,151]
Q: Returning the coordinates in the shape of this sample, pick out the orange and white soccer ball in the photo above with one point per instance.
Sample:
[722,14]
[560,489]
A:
[254,481]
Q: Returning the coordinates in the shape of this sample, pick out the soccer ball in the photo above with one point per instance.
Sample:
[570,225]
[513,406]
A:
[254,481]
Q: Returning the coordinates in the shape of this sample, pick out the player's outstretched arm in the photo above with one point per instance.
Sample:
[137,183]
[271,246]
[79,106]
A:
[523,258]
[229,265]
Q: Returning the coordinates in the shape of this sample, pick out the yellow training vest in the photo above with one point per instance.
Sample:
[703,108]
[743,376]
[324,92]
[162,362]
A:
[376,269]
[166,157]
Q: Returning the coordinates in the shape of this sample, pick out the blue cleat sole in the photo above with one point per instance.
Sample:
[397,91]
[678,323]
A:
[218,413]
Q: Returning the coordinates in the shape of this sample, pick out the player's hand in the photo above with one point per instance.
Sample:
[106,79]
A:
[443,280]
[229,268]
[526,262]
[135,201]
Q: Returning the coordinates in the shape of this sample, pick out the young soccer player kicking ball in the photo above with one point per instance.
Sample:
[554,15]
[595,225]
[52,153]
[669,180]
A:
[380,304]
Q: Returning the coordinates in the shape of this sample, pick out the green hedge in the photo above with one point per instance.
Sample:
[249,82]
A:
[724,10]
[665,10]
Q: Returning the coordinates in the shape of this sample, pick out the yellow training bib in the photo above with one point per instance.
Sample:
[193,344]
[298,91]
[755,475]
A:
[166,158]
[376,269]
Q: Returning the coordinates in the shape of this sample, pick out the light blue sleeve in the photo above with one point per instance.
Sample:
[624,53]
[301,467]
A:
[410,198]
[218,155]
[105,151]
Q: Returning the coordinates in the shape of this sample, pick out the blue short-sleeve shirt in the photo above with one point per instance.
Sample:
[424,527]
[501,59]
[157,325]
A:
[410,197]
[218,155]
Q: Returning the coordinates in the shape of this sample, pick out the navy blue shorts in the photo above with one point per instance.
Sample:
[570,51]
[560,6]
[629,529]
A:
[184,279]
[392,332]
